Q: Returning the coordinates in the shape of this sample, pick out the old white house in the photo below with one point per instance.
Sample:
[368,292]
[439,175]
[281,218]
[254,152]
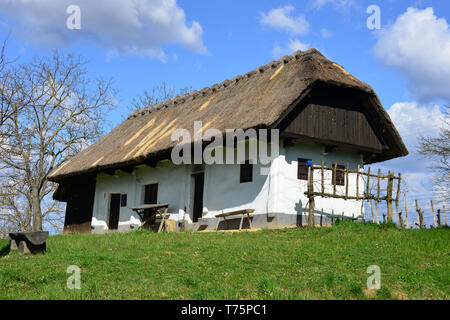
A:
[322,113]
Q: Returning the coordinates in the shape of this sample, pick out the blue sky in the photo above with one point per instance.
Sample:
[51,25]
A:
[198,43]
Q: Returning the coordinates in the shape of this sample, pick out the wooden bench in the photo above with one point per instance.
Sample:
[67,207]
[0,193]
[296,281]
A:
[29,241]
[140,210]
[235,213]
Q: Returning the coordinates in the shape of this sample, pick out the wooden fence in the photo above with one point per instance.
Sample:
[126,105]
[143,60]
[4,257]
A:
[367,188]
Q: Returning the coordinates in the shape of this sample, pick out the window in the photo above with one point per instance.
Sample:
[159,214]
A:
[151,194]
[123,200]
[246,172]
[302,169]
[150,197]
[340,176]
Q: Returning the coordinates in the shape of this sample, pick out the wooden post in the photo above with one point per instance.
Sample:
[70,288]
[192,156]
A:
[406,213]
[371,209]
[445,215]
[399,213]
[417,210]
[363,216]
[376,211]
[368,183]
[378,184]
[390,213]
[321,216]
[432,212]
[400,220]
[397,197]
[183,223]
[439,217]
[384,217]
[419,216]
[310,195]
[346,182]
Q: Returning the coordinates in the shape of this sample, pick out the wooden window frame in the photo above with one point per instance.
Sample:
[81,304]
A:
[147,201]
[302,169]
[246,172]
[123,200]
[340,176]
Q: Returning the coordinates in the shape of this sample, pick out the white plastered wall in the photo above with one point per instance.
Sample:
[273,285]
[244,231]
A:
[278,192]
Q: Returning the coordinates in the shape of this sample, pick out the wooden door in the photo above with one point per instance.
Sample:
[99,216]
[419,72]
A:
[114,212]
[150,197]
[199,179]
[80,205]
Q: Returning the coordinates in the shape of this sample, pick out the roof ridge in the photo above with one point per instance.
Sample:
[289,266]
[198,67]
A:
[217,86]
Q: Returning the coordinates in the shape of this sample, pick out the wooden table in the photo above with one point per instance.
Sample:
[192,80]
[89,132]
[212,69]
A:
[140,210]
[235,213]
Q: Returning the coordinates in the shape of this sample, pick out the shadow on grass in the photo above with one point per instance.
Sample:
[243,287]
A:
[4,251]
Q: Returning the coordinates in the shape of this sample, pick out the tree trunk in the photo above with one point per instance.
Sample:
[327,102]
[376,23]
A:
[37,214]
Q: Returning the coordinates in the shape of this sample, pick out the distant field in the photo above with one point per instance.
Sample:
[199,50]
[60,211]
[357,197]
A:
[326,263]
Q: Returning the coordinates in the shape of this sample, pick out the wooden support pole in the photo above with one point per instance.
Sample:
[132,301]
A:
[311,195]
[363,216]
[371,209]
[419,216]
[432,212]
[400,220]
[368,183]
[406,213]
[397,197]
[378,183]
[376,211]
[390,213]
[183,223]
[439,218]
[445,215]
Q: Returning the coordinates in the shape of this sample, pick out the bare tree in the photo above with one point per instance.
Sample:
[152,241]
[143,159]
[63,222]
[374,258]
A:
[158,94]
[437,148]
[57,112]
[5,109]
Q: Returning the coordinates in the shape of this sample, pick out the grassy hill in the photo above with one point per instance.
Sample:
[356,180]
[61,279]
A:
[325,263]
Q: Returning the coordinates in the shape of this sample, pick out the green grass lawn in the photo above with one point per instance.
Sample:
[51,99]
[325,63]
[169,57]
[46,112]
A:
[321,263]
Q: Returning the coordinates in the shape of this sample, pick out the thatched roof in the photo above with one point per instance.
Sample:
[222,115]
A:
[257,99]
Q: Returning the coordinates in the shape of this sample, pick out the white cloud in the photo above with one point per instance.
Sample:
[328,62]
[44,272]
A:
[325,33]
[139,27]
[411,120]
[281,19]
[293,45]
[417,45]
[338,4]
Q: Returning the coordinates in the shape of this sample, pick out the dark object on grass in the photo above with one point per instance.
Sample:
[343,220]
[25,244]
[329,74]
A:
[29,241]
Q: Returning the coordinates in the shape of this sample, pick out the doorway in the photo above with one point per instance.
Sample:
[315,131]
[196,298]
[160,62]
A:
[199,180]
[150,197]
[114,211]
